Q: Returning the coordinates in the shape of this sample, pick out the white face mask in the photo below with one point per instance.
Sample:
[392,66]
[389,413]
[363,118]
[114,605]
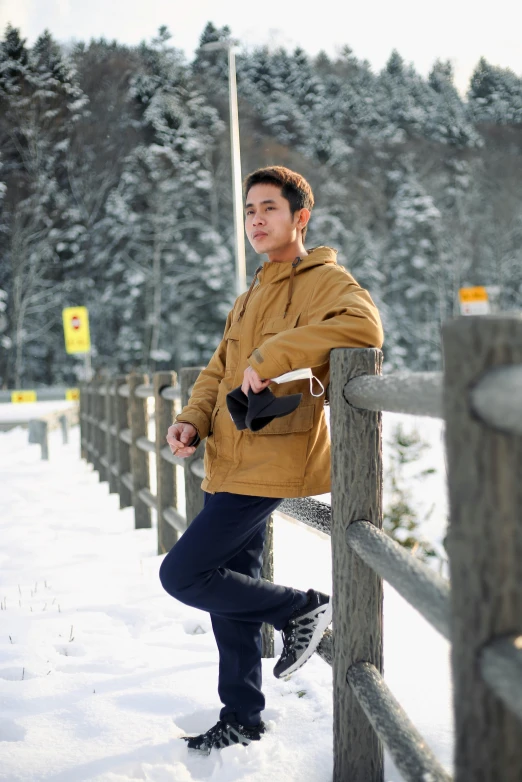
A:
[301,374]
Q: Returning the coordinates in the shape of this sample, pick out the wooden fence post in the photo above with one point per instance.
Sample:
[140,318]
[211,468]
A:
[110,440]
[95,430]
[83,422]
[88,425]
[138,423]
[123,449]
[166,493]
[357,590]
[115,435]
[193,493]
[267,631]
[484,545]
[100,431]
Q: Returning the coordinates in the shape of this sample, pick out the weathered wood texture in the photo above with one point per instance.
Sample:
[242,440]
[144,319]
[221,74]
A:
[325,648]
[138,424]
[123,450]
[193,492]
[416,393]
[309,511]
[166,492]
[267,573]
[497,399]
[501,665]
[484,545]
[424,589]
[357,590]
[409,751]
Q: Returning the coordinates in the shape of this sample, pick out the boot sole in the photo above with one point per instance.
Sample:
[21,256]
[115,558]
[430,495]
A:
[324,620]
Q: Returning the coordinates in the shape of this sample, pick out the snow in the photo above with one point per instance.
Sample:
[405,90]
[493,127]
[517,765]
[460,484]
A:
[101,671]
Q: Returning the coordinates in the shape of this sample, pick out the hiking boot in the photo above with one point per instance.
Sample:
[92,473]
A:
[302,634]
[225,733]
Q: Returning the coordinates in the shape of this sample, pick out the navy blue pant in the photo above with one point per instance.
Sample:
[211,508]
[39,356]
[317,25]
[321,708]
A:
[216,566]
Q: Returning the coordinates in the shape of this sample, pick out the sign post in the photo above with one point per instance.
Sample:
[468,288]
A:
[77,336]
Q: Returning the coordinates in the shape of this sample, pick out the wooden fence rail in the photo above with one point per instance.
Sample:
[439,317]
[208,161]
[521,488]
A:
[480,397]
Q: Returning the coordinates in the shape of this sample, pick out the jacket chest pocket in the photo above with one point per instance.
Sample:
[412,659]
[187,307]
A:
[232,340]
[273,326]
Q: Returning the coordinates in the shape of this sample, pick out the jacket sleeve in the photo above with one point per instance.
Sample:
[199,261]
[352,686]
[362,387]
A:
[198,411]
[341,315]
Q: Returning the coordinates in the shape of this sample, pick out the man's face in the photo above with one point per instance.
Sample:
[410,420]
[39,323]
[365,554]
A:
[269,223]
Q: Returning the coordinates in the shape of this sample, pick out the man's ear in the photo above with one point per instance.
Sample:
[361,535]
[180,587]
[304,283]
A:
[303,218]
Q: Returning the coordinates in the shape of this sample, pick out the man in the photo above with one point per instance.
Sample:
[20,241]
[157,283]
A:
[302,306]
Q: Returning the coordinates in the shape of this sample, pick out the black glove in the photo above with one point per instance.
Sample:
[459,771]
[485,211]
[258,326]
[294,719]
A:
[257,410]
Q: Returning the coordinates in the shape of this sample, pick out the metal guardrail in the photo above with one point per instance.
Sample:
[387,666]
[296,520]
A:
[44,394]
[40,427]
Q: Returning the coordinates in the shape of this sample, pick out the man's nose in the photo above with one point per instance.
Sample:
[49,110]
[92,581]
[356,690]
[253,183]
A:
[258,219]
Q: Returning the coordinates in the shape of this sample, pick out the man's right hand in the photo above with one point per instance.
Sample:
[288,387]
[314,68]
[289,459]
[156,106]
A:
[178,436]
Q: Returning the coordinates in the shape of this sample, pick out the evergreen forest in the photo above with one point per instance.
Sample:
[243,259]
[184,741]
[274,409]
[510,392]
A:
[115,193]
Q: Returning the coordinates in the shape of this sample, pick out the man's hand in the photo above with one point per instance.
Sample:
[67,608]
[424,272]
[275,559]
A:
[178,436]
[252,380]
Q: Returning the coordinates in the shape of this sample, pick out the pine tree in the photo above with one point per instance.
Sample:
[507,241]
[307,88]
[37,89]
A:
[416,285]
[39,99]
[448,120]
[495,94]
[161,241]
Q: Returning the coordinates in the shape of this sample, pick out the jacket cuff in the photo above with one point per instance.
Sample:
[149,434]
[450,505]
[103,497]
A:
[266,367]
[198,420]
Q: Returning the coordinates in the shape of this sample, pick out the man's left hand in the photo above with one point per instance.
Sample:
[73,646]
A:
[252,380]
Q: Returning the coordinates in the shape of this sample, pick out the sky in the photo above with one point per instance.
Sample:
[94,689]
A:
[422,32]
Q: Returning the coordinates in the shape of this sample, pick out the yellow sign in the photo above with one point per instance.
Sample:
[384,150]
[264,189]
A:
[72,394]
[474,301]
[478,293]
[76,330]
[19,397]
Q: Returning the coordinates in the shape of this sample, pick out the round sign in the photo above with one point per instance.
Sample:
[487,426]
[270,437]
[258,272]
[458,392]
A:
[75,322]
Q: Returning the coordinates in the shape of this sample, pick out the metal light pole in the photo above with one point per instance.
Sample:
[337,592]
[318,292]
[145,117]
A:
[236,162]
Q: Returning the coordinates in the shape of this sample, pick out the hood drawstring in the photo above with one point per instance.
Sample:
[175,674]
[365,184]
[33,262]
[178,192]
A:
[295,264]
[243,308]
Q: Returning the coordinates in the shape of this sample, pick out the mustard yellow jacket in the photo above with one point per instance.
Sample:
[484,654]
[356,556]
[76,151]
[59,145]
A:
[293,318]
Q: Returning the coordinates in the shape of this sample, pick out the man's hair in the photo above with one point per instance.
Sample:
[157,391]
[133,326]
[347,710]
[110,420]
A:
[293,186]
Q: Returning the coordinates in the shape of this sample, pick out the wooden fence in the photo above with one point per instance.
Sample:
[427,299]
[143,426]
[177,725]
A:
[479,396]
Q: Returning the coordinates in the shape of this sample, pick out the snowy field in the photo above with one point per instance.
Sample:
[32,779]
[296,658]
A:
[101,671]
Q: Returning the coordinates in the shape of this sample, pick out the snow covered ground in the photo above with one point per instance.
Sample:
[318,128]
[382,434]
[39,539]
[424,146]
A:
[101,671]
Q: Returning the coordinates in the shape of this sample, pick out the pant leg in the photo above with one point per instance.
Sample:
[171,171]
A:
[240,647]
[195,571]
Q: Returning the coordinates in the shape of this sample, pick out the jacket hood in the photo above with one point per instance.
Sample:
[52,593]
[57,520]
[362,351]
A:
[317,256]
